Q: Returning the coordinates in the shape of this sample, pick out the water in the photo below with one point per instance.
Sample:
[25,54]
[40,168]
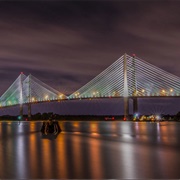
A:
[96,150]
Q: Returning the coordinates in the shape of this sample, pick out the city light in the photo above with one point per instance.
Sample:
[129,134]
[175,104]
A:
[157,117]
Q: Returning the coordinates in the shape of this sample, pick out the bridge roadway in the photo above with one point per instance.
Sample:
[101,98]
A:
[91,98]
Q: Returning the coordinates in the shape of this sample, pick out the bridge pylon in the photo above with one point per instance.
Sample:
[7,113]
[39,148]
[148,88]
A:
[135,105]
[21,94]
[126,98]
[134,85]
[29,98]
[21,111]
[29,111]
[126,108]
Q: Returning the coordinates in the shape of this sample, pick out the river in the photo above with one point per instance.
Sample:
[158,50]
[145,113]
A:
[90,150]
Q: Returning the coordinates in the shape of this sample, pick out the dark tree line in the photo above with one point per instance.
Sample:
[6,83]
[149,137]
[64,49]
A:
[51,115]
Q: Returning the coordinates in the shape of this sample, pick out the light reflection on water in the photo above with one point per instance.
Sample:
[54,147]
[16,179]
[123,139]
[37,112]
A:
[96,150]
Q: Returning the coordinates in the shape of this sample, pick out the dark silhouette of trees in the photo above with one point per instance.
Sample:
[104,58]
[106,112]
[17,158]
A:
[177,116]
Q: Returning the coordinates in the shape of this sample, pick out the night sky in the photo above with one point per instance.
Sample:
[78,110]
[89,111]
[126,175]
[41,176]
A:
[67,43]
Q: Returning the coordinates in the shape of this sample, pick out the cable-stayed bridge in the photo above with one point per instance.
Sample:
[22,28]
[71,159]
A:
[129,77]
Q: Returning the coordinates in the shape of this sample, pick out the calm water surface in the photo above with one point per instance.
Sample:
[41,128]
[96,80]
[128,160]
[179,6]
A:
[97,150]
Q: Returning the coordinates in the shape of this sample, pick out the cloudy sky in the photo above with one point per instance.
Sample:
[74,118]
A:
[67,43]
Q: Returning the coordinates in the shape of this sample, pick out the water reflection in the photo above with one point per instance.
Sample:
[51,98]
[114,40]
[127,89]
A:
[96,150]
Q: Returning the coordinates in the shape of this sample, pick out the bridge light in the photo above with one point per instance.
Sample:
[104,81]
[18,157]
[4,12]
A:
[113,94]
[46,97]
[33,99]
[77,94]
[60,96]
[136,92]
[143,90]
[133,55]
[163,91]
[171,90]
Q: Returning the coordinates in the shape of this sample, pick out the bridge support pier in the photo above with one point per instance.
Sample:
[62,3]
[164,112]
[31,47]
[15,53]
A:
[29,111]
[126,108]
[135,105]
[21,112]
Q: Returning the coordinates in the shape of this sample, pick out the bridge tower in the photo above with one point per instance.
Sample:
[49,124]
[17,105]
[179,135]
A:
[29,98]
[134,86]
[21,96]
[126,98]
